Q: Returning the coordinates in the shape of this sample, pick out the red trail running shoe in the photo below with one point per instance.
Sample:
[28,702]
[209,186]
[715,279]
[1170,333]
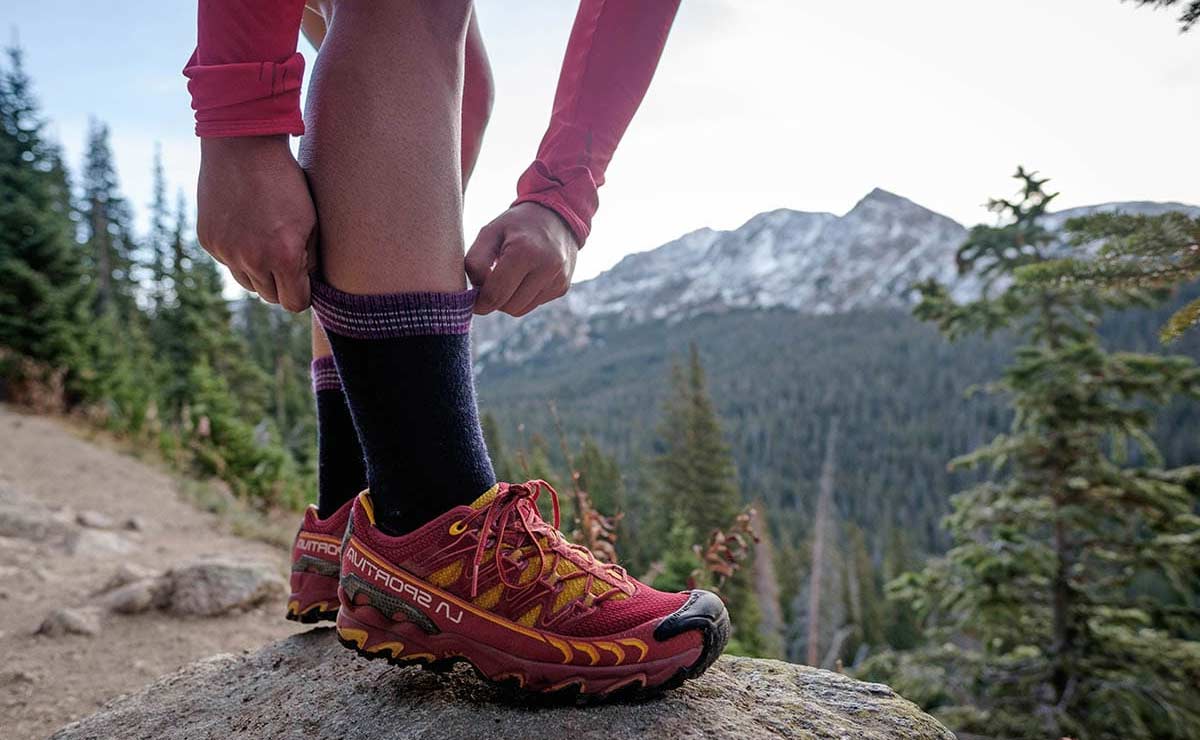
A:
[493,583]
[316,559]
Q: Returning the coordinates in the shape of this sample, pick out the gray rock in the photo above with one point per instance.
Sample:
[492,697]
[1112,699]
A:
[71,621]
[127,573]
[207,588]
[136,523]
[137,597]
[30,522]
[314,688]
[92,542]
[94,519]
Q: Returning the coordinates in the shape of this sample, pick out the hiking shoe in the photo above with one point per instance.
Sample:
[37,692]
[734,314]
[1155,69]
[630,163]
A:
[496,585]
[316,559]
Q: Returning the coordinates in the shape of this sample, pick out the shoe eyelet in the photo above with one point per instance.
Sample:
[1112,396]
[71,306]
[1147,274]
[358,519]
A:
[458,528]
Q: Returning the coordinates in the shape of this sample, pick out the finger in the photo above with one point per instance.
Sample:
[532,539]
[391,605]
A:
[265,287]
[242,279]
[482,254]
[549,293]
[503,281]
[293,291]
[522,301]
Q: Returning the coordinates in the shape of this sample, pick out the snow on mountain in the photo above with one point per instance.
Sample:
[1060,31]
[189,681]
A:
[815,263]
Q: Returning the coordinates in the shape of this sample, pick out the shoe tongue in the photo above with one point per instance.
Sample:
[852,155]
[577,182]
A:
[488,496]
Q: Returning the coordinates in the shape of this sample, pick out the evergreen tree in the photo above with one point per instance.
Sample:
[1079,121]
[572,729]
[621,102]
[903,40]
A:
[600,476]
[107,229]
[695,471]
[159,253]
[1138,252]
[1070,592]
[41,286]
[696,486]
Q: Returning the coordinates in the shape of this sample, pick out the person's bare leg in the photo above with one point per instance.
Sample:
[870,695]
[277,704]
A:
[383,157]
[341,468]
[383,145]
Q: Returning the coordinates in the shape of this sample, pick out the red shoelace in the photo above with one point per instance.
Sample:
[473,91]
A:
[515,508]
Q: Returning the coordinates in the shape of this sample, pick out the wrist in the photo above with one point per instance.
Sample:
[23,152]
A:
[244,148]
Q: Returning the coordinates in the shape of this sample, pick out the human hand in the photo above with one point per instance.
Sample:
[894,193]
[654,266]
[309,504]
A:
[522,259]
[256,216]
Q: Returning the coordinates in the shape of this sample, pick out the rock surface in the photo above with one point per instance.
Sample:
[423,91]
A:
[207,588]
[310,686]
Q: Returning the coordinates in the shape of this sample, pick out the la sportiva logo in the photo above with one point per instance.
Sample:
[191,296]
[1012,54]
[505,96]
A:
[318,547]
[403,588]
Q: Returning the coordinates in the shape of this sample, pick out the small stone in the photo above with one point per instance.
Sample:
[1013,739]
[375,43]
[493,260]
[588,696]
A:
[137,597]
[127,573]
[94,519]
[136,523]
[89,542]
[71,621]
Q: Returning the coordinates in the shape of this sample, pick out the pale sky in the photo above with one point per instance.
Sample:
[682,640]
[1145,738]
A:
[757,104]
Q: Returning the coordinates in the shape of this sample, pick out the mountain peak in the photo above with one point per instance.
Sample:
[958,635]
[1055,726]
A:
[879,198]
[815,263]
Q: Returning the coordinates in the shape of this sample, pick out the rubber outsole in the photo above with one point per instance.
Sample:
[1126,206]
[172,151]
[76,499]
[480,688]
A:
[715,629]
[311,615]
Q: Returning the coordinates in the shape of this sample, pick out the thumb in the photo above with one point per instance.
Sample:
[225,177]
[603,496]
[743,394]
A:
[483,253]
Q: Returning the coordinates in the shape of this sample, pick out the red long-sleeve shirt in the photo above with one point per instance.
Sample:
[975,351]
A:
[245,77]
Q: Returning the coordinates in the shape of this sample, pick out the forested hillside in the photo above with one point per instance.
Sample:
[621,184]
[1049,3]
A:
[899,389]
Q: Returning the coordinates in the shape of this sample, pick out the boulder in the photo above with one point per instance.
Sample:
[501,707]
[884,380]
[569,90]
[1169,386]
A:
[310,686]
[71,621]
[207,588]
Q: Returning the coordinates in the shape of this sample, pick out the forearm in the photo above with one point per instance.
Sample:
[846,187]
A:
[245,74]
[611,57]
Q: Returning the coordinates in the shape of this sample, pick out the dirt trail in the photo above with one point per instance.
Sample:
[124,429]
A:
[47,681]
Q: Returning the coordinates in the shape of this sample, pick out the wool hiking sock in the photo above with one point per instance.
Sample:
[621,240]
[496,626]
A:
[341,470]
[405,364]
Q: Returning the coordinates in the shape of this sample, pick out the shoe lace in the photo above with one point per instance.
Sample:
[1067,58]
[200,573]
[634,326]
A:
[506,513]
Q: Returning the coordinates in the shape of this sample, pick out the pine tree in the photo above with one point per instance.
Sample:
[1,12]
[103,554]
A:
[1070,592]
[1139,252]
[41,286]
[600,476]
[159,253]
[694,469]
[107,229]
[696,486]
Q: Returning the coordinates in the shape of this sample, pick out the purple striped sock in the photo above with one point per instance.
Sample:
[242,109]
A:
[392,315]
[405,366]
[325,375]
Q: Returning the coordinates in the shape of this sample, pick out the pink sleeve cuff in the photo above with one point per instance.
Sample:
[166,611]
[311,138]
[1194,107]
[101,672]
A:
[246,98]
[570,193]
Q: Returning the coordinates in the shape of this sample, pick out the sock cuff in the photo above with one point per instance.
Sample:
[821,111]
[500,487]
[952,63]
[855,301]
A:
[393,314]
[325,375]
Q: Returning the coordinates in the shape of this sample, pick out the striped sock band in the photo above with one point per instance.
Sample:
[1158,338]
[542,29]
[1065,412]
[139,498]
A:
[325,375]
[392,315]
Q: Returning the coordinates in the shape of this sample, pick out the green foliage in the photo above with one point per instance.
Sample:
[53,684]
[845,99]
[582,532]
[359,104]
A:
[139,330]
[1070,590]
[42,293]
[1135,252]
[695,488]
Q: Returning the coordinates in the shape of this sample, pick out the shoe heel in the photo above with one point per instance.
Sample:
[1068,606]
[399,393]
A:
[399,642]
